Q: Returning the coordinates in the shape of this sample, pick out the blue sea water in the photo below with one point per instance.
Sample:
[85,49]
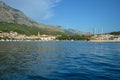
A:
[59,60]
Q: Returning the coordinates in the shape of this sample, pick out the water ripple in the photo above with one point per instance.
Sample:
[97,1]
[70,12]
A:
[62,60]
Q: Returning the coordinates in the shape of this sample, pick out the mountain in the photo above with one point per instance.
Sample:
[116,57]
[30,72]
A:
[75,32]
[11,15]
[16,20]
[12,19]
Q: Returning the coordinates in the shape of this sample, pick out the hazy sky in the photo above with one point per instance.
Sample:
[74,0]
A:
[83,15]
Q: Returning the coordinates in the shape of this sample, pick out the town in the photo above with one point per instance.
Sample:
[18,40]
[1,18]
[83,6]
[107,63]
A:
[105,38]
[14,36]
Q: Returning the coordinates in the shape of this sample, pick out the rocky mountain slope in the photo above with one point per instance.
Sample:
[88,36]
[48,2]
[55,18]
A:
[10,16]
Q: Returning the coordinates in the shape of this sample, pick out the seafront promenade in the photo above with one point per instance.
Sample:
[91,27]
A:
[24,40]
[104,40]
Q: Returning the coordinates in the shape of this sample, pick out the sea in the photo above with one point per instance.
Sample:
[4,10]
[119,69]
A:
[59,60]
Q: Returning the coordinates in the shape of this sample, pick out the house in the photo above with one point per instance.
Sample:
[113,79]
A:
[47,37]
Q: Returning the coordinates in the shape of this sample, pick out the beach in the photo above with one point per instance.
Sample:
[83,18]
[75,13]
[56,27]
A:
[104,40]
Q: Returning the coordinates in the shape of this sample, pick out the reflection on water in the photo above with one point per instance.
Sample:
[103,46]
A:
[62,60]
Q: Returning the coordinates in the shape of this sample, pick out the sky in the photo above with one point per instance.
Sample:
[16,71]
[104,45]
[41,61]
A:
[82,15]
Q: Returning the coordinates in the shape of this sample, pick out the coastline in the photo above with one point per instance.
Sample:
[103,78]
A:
[2,40]
[60,40]
[104,41]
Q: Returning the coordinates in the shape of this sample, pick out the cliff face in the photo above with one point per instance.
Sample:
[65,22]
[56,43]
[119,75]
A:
[11,15]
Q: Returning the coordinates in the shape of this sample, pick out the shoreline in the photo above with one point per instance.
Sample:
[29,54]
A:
[60,40]
[23,40]
[104,41]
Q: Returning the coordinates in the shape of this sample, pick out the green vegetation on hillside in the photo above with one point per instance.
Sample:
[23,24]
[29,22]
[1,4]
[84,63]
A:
[115,33]
[72,37]
[27,30]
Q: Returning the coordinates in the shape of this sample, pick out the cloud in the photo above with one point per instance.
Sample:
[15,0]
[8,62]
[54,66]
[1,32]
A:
[35,9]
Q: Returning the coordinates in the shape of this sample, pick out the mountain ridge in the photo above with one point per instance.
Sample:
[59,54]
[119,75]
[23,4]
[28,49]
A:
[11,15]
